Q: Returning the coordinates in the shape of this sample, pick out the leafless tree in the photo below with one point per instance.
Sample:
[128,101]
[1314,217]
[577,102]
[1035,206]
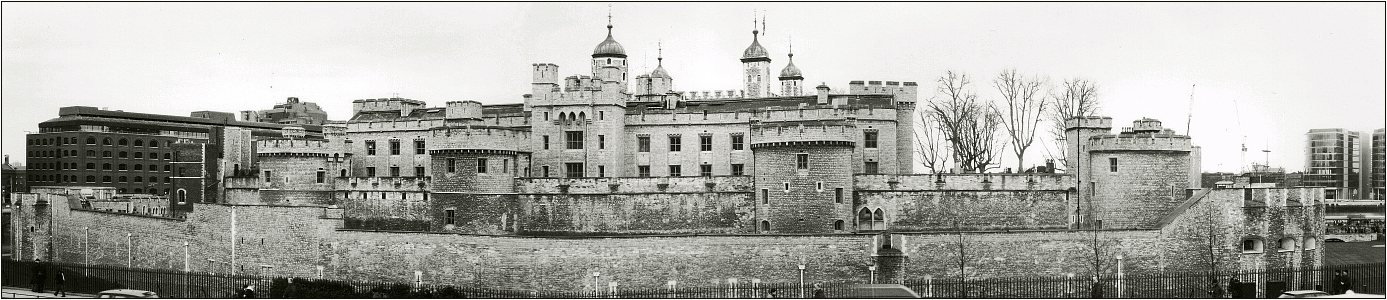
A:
[969,125]
[930,144]
[1023,108]
[1075,98]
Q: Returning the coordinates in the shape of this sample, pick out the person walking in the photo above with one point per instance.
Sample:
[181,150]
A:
[1215,290]
[59,278]
[819,290]
[1348,282]
[1338,285]
[39,276]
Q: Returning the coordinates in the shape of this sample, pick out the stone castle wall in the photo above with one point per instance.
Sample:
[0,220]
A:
[940,202]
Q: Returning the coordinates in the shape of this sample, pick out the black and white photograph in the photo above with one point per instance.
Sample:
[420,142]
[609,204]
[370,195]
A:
[729,150]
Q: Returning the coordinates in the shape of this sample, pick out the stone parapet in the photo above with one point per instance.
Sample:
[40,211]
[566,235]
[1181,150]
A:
[628,185]
[1140,142]
[963,182]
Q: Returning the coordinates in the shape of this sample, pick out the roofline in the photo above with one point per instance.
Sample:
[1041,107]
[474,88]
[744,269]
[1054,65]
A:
[92,111]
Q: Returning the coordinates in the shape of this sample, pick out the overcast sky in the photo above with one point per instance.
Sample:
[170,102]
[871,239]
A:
[1267,71]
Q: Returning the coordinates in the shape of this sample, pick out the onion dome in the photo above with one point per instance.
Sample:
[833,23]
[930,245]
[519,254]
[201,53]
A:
[660,66]
[609,47]
[791,71]
[755,52]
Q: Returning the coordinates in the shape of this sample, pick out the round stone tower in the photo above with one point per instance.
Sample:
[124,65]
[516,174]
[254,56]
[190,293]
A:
[803,176]
[297,171]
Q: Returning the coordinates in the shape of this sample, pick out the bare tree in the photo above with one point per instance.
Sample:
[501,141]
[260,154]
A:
[930,144]
[969,125]
[1077,97]
[1024,106]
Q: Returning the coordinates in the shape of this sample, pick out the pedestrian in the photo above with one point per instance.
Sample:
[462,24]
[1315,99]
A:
[819,290]
[1215,290]
[1338,282]
[59,278]
[247,291]
[1348,282]
[1235,288]
[772,293]
[1095,291]
[39,276]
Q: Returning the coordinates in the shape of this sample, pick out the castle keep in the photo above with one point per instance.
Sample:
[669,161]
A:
[650,184]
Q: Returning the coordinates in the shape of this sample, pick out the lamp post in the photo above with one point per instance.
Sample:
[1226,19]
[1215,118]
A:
[86,253]
[130,250]
[1120,279]
[596,290]
[801,280]
[186,258]
[929,285]
[873,271]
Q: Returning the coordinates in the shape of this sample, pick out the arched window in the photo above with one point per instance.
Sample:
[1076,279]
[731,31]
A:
[878,216]
[153,168]
[182,196]
[563,117]
[344,173]
[91,153]
[139,155]
[838,225]
[91,141]
[582,116]
[105,178]
[765,225]
[106,167]
[123,154]
[122,179]
[91,166]
[122,142]
[106,141]
[1286,244]
[139,143]
[1252,245]
[139,167]
[167,155]
[91,179]
[106,154]
[121,167]
[154,144]
[139,179]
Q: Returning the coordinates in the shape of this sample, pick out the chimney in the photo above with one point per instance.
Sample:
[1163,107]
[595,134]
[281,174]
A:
[823,93]
[7,159]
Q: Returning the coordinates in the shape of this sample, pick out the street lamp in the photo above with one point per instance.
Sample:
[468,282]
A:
[801,280]
[595,284]
[873,270]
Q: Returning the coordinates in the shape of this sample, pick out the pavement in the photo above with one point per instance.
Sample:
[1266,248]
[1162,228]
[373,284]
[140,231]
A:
[17,292]
[1354,253]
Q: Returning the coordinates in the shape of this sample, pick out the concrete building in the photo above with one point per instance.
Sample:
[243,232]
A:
[132,152]
[1377,166]
[1333,160]
[292,111]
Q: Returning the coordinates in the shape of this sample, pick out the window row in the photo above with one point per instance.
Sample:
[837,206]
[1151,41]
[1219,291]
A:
[483,165]
[1253,244]
[394,147]
[766,225]
[92,153]
[59,178]
[705,142]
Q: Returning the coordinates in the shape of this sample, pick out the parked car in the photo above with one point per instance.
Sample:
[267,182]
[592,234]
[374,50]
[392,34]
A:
[1333,240]
[1351,294]
[126,293]
[1303,294]
[878,291]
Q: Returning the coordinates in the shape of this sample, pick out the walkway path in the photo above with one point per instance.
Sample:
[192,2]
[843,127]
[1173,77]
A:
[17,292]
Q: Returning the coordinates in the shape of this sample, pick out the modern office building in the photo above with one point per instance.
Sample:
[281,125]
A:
[1332,160]
[1377,167]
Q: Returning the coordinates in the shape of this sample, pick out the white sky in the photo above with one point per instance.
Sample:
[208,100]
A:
[1288,67]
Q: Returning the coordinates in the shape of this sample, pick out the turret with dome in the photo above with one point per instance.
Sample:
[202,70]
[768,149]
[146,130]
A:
[609,61]
[756,66]
[791,80]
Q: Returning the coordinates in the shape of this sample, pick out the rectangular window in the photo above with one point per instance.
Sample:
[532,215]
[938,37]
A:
[394,147]
[802,160]
[452,164]
[267,176]
[869,167]
[705,170]
[765,196]
[394,171]
[322,176]
[573,170]
[418,146]
[643,144]
[370,171]
[738,142]
[705,143]
[546,142]
[601,171]
[674,170]
[573,139]
[787,187]
[419,172]
[737,169]
[1112,164]
[449,217]
[838,195]
[601,141]
[481,165]
[869,139]
[674,143]
[643,171]
[601,115]
[505,166]
[370,147]
[545,170]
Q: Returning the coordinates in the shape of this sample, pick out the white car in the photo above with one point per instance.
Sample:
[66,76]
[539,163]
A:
[1351,294]
[126,293]
[1303,294]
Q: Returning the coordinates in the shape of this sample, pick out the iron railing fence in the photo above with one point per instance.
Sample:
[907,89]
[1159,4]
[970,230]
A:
[1367,278]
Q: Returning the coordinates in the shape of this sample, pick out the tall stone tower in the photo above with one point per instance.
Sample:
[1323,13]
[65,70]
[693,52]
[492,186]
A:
[1136,175]
[756,66]
[803,176]
[791,80]
[1077,132]
[609,62]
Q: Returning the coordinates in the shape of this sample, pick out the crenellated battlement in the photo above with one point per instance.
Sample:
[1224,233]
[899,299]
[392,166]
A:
[478,137]
[467,109]
[383,184]
[713,94]
[1140,142]
[905,91]
[1091,122]
[402,105]
[826,133]
[296,147]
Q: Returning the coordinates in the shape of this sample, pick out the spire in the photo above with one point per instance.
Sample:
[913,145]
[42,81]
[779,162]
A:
[791,72]
[660,55]
[609,19]
[659,64]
